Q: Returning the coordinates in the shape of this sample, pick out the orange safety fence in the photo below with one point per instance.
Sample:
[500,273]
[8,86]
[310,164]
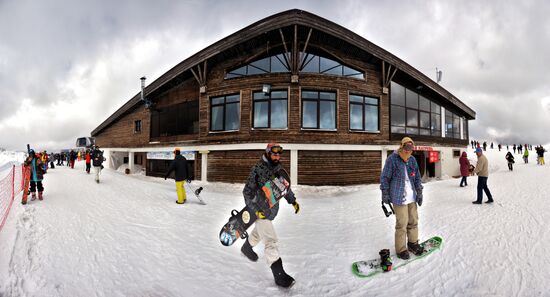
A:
[10,186]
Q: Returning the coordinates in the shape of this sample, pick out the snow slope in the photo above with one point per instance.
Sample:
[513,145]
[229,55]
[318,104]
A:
[127,237]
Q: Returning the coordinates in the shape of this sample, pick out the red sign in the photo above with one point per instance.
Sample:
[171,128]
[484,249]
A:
[433,156]
[423,148]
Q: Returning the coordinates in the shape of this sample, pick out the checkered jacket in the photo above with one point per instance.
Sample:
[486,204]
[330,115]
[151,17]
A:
[392,179]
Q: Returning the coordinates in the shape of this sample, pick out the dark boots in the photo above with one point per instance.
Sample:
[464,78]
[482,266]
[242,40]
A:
[415,248]
[281,278]
[249,252]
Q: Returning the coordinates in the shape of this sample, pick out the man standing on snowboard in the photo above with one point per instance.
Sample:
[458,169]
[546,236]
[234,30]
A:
[401,185]
[267,167]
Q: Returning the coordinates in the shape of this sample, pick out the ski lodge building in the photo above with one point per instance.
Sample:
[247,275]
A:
[337,103]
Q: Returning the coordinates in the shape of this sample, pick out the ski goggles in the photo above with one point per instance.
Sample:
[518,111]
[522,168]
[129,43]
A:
[276,150]
[408,147]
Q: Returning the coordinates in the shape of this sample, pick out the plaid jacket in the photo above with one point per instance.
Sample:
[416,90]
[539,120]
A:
[392,179]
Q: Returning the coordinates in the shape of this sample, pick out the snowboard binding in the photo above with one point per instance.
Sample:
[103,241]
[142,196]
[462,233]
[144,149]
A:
[386,212]
[385,260]
[198,191]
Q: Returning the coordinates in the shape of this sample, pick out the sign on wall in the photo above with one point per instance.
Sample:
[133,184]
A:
[433,156]
[189,155]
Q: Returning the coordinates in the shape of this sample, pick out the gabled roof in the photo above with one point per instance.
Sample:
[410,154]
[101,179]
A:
[282,20]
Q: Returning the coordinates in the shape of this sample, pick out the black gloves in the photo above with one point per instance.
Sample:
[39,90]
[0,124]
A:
[419,197]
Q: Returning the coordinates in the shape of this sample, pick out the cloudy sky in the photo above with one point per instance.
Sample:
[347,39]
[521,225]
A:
[65,66]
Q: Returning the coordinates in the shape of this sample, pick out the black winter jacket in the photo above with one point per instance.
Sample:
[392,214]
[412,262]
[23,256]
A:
[179,164]
[254,197]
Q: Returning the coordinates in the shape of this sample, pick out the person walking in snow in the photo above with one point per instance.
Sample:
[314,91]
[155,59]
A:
[72,158]
[484,145]
[526,155]
[179,165]
[464,169]
[88,161]
[482,171]
[268,166]
[37,174]
[97,161]
[514,147]
[510,158]
[499,147]
[401,185]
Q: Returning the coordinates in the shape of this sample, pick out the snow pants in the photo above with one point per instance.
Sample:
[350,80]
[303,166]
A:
[263,230]
[406,225]
[88,166]
[97,170]
[180,189]
[36,184]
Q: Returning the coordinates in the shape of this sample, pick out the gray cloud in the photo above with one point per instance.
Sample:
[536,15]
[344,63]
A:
[76,62]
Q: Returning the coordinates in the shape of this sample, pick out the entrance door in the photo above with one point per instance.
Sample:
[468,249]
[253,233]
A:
[421,160]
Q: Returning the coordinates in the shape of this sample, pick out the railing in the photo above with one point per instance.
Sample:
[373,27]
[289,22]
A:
[10,186]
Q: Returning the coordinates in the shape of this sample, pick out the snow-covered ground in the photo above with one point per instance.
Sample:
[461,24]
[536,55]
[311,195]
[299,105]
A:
[128,237]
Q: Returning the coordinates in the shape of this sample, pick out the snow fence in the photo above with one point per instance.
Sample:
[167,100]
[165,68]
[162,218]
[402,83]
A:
[10,186]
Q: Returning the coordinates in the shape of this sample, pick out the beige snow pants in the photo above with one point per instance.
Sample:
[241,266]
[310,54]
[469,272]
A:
[406,225]
[263,230]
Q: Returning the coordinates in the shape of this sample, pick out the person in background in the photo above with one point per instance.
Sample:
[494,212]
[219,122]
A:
[72,158]
[401,185]
[37,174]
[510,158]
[464,169]
[88,161]
[526,155]
[482,171]
[97,161]
[179,165]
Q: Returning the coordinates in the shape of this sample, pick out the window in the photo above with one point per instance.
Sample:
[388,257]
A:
[225,113]
[452,125]
[412,113]
[317,64]
[179,119]
[271,110]
[363,113]
[318,110]
[137,126]
[456,153]
[273,64]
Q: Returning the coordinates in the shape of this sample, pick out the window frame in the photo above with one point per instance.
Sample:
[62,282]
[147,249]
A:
[137,127]
[269,109]
[224,113]
[363,104]
[318,101]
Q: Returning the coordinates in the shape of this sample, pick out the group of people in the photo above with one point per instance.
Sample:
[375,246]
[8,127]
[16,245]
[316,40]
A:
[37,163]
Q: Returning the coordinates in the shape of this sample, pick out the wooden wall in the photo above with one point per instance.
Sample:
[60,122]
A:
[235,166]
[321,168]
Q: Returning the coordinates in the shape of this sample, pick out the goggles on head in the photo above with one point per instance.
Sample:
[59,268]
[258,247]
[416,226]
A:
[276,149]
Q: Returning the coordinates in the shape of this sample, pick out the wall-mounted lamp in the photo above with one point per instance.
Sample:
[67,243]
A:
[266,88]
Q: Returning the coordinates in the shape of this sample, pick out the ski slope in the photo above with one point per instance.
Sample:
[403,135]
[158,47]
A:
[127,237]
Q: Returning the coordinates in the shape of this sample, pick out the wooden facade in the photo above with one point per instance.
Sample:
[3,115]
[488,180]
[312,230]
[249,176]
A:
[203,76]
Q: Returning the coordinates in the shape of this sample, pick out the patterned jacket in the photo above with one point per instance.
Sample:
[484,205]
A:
[392,179]
[253,194]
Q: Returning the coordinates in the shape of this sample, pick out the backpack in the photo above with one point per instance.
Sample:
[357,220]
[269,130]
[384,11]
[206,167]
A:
[98,158]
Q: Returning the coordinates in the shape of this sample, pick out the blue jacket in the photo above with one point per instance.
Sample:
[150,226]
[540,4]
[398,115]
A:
[392,179]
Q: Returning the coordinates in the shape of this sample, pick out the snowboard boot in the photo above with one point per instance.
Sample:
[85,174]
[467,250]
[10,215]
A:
[40,197]
[33,197]
[247,250]
[415,248]
[403,255]
[385,260]
[281,278]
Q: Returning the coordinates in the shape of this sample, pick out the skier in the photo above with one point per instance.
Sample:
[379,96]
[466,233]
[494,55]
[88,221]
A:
[265,168]
[526,155]
[37,174]
[179,165]
[464,169]
[88,161]
[97,161]
[482,171]
[401,185]
[510,158]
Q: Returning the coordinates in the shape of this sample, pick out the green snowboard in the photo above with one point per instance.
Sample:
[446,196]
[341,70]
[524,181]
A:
[372,267]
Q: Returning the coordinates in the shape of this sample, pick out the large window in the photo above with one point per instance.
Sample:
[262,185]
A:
[452,125]
[177,119]
[225,113]
[271,110]
[412,113]
[280,63]
[363,113]
[318,110]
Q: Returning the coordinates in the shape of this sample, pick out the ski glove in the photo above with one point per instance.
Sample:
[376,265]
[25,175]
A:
[419,197]
[260,214]
[296,206]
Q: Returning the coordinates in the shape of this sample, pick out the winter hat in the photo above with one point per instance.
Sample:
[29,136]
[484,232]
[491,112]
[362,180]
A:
[479,150]
[177,151]
[405,140]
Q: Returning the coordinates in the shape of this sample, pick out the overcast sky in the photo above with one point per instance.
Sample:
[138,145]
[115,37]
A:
[65,66]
